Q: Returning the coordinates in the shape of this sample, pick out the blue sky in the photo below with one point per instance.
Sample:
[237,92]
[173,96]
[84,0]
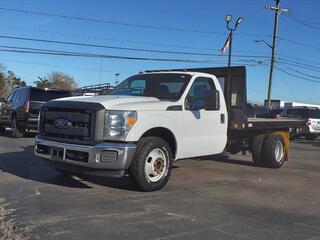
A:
[185,14]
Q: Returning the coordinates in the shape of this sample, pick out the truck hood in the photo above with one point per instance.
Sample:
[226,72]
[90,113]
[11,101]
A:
[118,102]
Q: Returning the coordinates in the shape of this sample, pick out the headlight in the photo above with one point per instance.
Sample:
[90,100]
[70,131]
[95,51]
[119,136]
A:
[118,124]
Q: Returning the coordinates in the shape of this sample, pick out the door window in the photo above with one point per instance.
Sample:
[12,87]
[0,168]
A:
[11,96]
[198,91]
[17,96]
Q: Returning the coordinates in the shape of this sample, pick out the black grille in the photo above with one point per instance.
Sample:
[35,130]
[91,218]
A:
[80,123]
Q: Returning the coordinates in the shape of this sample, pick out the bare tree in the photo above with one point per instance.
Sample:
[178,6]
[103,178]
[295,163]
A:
[57,80]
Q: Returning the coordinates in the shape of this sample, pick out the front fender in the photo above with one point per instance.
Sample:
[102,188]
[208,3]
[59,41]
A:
[148,120]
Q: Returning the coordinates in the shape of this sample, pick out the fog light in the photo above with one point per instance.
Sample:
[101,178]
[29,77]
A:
[108,157]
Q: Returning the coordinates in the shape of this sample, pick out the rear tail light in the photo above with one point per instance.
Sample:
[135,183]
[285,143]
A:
[308,123]
[27,106]
[277,116]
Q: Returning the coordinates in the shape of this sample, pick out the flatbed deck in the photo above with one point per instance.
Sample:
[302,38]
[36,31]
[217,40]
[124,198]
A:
[270,123]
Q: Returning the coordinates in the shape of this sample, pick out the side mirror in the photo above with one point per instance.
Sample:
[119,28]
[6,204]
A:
[212,100]
[191,104]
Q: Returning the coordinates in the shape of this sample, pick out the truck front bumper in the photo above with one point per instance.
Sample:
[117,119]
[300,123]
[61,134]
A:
[104,159]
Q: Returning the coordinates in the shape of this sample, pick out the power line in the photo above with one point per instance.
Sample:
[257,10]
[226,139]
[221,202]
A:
[149,26]
[124,23]
[88,36]
[299,66]
[298,43]
[106,46]
[299,59]
[63,66]
[308,75]
[125,48]
[299,63]
[304,23]
[109,21]
[81,54]
[142,42]
[41,51]
[294,75]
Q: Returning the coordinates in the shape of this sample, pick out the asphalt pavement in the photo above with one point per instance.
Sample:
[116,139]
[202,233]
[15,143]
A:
[216,197]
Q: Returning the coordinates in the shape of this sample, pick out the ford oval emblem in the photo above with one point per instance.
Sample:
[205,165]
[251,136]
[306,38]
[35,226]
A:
[62,123]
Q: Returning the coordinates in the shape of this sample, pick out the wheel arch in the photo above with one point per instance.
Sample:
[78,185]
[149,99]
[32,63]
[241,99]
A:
[165,134]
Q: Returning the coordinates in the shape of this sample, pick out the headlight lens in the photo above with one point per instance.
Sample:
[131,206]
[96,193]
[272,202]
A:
[118,124]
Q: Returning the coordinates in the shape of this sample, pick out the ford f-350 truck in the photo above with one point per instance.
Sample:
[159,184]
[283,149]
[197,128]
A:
[157,117]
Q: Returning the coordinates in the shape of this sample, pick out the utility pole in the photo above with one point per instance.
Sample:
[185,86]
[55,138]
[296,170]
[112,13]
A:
[277,10]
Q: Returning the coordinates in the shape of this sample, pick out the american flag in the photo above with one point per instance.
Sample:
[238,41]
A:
[226,45]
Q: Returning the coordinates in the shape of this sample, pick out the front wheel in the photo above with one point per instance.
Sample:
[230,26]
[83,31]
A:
[16,131]
[151,167]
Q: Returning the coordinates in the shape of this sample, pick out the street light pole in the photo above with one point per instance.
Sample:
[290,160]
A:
[230,49]
[277,10]
[230,38]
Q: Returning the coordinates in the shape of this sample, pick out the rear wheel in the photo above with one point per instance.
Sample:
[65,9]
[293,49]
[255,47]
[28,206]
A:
[151,167]
[257,149]
[273,151]
[16,131]
[2,130]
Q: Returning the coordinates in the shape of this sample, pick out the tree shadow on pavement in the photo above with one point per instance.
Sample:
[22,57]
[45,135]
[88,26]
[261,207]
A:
[26,165]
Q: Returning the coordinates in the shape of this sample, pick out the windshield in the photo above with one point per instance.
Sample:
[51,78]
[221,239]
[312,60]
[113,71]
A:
[164,86]
[43,96]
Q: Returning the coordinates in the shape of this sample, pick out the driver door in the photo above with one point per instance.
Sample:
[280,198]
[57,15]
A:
[204,130]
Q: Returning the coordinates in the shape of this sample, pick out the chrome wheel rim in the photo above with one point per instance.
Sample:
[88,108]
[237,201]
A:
[279,151]
[155,165]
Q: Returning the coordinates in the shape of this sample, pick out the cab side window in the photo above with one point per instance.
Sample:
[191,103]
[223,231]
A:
[11,96]
[199,90]
[16,96]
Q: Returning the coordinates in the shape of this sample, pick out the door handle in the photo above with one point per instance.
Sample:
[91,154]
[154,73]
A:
[222,118]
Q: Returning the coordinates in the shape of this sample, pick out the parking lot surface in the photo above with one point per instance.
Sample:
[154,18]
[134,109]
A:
[216,197]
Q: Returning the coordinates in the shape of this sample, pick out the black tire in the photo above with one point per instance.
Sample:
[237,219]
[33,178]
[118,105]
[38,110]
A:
[311,137]
[2,130]
[16,130]
[257,149]
[138,164]
[234,148]
[270,158]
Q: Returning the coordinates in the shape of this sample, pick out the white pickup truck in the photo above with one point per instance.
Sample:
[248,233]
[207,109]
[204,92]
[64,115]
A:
[154,118]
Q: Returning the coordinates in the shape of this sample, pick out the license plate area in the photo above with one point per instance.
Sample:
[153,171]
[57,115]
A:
[57,153]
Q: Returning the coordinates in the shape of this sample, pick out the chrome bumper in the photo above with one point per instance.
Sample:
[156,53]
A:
[97,158]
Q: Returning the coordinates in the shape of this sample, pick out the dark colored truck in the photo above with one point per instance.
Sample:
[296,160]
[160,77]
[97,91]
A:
[20,110]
